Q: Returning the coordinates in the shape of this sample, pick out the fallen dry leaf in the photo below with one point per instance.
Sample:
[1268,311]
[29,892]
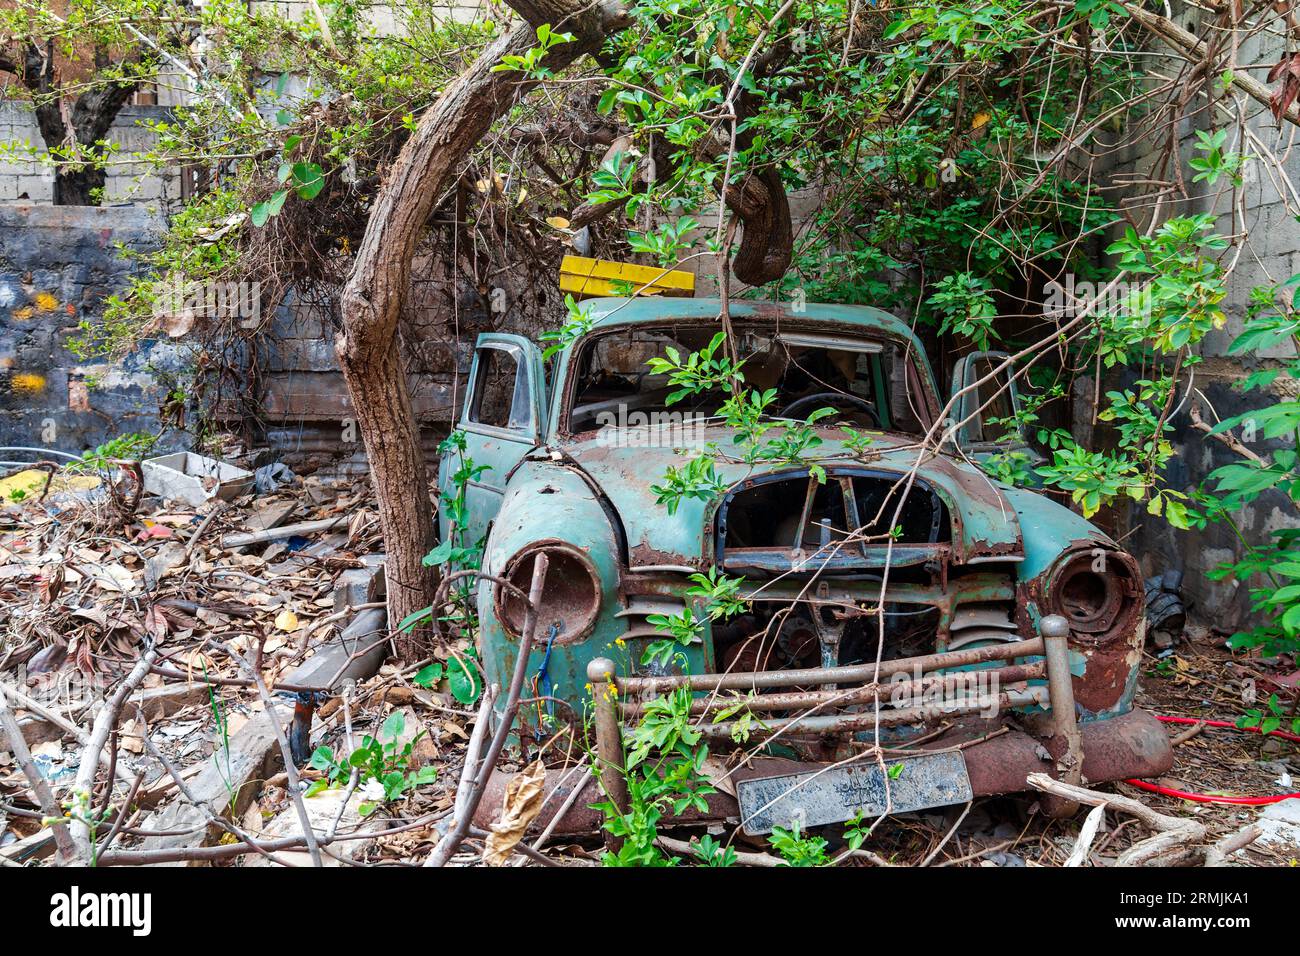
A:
[111,577]
[1288,71]
[49,748]
[51,584]
[131,736]
[49,659]
[522,804]
[156,623]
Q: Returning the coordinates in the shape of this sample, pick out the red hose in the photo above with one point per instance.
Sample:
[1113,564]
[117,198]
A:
[1212,798]
[1284,734]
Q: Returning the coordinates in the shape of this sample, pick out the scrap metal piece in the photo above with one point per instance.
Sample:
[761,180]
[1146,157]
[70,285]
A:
[609,739]
[1164,599]
[1060,688]
[834,795]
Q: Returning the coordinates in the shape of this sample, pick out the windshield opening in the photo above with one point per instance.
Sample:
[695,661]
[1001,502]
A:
[869,383]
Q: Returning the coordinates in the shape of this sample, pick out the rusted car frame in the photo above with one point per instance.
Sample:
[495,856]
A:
[846,629]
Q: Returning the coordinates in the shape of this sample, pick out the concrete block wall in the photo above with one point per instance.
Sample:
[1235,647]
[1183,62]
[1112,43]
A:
[306,406]
[32,181]
[383,19]
[1270,254]
[21,179]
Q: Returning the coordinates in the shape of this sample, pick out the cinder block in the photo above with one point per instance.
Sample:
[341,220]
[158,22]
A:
[358,586]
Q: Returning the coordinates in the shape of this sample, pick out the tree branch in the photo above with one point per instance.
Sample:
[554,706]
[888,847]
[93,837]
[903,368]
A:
[1193,47]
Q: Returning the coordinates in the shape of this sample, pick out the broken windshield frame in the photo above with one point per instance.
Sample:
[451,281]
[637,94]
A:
[871,382]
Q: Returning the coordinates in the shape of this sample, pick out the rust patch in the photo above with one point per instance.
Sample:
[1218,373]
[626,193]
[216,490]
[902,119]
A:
[570,597]
[1111,656]
[643,555]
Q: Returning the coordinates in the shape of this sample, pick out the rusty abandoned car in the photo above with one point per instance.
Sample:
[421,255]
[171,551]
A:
[980,631]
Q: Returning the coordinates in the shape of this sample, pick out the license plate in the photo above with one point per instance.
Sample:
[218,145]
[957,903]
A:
[817,798]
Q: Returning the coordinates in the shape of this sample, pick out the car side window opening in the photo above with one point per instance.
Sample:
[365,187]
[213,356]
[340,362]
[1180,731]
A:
[500,398]
[989,401]
[863,380]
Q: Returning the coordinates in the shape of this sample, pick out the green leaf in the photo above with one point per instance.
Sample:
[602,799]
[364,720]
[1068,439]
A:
[439,555]
[310,179]
[322,759]
[464,682]
[393,726]
[429,675]
[414,618]
[263,211]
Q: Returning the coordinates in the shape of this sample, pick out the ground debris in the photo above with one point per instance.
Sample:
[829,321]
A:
[294,580]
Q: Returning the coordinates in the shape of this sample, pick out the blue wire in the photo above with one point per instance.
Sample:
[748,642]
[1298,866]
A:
[543,677]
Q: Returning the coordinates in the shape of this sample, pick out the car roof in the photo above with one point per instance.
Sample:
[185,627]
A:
[612,312]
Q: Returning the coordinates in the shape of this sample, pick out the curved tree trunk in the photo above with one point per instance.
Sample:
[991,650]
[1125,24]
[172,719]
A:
[367,346]
[86,122]
[80,187]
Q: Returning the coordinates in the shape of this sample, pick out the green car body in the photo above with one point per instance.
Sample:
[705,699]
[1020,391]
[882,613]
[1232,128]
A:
[589,502]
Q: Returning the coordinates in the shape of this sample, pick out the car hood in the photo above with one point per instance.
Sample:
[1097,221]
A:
[985,524]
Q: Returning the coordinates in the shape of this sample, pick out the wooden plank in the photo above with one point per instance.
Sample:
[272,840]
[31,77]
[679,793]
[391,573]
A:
[333,664]
[38,846]
[271,515]
[36,730]
[283,531]
[166,700]
[585,276]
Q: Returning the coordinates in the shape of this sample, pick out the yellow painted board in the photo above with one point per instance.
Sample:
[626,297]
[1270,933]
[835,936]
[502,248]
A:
[585,287]
[31,481]
[597,276]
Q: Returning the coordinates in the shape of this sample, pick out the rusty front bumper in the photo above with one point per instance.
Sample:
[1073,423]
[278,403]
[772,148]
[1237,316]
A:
[1131,745]
[999,752]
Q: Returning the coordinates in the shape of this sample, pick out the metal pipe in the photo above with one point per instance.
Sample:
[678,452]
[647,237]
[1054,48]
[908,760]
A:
[1060,686]
[866,720]
[797,700]
[609,740]
[39,451]
[461,823]
[851,674]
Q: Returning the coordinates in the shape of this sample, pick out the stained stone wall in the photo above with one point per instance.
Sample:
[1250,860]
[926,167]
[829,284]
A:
[57,266]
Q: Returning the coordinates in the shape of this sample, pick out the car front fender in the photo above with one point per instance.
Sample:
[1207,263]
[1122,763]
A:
[549,502]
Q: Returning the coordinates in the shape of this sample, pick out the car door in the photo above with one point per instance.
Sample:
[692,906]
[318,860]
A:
[502,420]
[986,393]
